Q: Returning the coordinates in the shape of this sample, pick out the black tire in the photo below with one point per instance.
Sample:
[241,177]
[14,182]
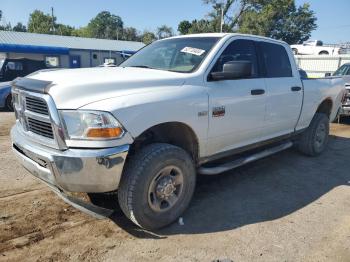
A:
[9,105]
[139,176]
[315,139]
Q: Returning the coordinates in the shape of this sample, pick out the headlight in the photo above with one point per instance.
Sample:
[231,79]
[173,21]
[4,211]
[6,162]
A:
[91,125]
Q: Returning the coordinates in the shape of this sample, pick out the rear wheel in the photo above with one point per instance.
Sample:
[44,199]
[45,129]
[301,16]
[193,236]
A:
[314,140]
[157,185]
[9,104]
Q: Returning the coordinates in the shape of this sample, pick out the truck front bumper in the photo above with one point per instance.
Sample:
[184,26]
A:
[72,170]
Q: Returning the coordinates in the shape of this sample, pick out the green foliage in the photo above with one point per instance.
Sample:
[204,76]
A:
[279,19]
[40,23]
[164,32]
[130,34]
[6,27]
[106,25]
[148,37]
[19,28]
[61,29]
[184,27]
[81,32]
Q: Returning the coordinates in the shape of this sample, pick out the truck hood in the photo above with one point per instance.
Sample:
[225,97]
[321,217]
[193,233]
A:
[74,88]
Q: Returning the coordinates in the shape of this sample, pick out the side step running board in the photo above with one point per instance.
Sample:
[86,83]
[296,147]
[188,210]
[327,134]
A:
[242,161]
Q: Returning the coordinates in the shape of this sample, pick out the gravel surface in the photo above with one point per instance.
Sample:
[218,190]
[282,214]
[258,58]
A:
[286,207]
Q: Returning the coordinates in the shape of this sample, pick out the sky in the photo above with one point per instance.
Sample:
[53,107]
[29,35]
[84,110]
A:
[333,23]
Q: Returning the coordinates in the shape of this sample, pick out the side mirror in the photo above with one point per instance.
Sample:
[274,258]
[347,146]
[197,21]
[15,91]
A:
[233,70]
[327,74]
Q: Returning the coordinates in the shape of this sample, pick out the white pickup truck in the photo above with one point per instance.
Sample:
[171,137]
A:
[314,47]
[179,107]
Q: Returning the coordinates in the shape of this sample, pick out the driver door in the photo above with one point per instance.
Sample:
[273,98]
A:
[236,107]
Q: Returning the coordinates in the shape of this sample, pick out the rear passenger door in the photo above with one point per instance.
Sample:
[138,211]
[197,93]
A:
[284,93]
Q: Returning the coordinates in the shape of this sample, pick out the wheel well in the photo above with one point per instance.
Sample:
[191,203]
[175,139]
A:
[174,133]
[323,52]
[325,107]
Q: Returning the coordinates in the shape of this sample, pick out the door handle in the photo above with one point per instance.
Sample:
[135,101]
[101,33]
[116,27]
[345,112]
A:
[295,88]
[256,92]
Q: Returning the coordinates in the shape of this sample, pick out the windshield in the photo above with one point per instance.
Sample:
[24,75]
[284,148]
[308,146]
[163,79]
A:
[343,70]
[175,54]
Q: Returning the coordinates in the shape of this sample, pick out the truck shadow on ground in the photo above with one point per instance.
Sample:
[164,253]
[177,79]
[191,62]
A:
[268,189]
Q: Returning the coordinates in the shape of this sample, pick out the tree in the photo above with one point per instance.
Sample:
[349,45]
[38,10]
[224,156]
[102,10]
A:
[19,27]
[184,27]
[106,25]
[4,26]
[82,32]
[130,34]
[164,32]
[148,37]
[64,30]
[279,19]
[41,23]
[231,10]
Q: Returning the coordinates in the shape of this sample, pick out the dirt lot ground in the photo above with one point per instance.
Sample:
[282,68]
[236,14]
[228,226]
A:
[286,207]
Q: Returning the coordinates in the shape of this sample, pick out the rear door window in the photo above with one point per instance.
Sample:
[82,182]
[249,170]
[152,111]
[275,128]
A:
[276,60]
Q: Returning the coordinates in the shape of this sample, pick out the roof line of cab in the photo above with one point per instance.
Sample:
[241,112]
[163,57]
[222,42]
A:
[222,35]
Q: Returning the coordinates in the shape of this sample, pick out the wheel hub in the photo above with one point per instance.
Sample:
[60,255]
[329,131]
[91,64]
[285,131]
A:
[165,187]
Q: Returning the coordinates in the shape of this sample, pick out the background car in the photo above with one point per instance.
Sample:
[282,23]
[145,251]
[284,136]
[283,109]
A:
[314,47]
[344,71]
[5,96]
[12,68]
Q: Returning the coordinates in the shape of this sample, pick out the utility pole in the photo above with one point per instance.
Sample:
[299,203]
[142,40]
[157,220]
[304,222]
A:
[220,10]
[222,18]
[53,21]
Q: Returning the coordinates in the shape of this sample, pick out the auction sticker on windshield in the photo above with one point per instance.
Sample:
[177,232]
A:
[193,51]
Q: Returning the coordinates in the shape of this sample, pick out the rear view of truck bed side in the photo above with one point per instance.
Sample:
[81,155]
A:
[321,94]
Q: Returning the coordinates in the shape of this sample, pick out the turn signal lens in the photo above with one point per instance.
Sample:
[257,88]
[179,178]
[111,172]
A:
[104,132]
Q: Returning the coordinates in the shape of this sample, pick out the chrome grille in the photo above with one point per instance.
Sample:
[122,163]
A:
[39,127]
[36,105]
[36,113]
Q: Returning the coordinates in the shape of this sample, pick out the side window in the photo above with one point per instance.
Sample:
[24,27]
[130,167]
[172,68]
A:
[15,66]
[276,60]
[52,61]
[238,50]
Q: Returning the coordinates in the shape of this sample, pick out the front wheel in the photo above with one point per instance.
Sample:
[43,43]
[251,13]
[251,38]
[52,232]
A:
[157,185]
[315,139]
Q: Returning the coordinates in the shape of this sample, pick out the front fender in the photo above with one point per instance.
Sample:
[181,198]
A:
[139,112]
